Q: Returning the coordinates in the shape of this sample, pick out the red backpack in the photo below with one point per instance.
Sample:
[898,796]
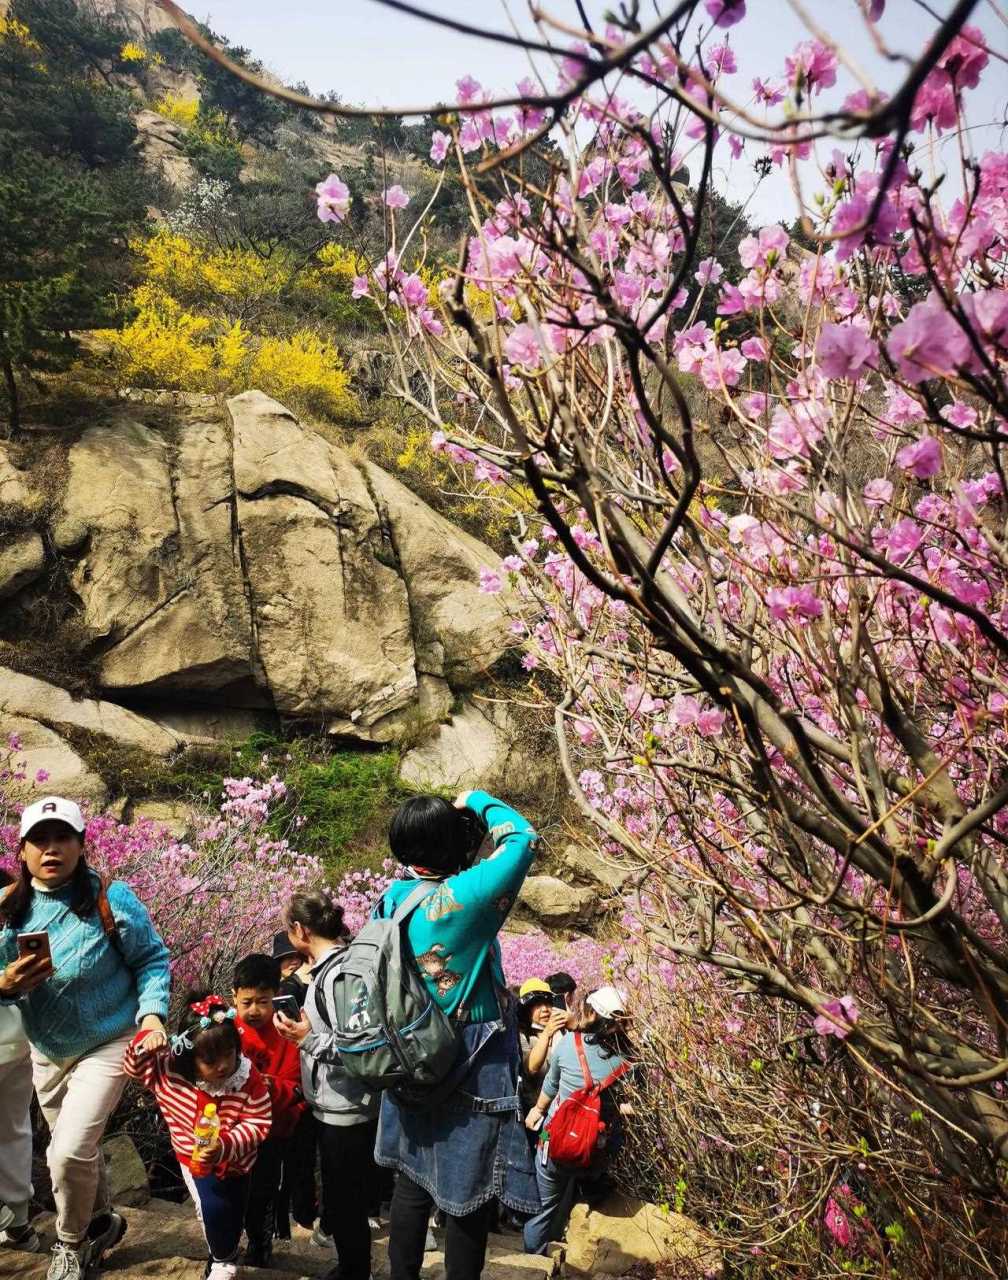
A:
[576,1129]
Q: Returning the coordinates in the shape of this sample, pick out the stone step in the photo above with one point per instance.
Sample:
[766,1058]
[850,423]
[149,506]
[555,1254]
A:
[165,1242]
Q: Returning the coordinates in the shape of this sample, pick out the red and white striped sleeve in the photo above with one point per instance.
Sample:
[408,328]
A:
[142,1067]
[242,1136]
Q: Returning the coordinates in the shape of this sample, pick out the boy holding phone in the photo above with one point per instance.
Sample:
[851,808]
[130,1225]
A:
[256,987]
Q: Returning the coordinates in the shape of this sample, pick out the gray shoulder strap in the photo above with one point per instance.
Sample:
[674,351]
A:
[412,900]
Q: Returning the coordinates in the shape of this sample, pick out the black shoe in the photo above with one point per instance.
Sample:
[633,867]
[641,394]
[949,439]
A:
[104,1233]
[258,1254]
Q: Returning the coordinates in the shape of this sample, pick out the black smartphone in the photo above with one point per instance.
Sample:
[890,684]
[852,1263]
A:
[288,1006]
[559,1001]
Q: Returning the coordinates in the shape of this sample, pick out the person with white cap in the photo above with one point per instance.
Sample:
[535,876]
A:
[91,970]
[601,1047]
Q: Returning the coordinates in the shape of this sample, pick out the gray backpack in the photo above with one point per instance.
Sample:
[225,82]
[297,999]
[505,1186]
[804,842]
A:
[388,1029]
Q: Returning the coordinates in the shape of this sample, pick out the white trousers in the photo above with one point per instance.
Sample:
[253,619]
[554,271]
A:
[77,1098]
[16,1136]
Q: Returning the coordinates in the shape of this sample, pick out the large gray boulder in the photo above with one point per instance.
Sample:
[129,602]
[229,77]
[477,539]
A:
[458,630]
[159,578]
[479,746]
[330,607]
[238,559]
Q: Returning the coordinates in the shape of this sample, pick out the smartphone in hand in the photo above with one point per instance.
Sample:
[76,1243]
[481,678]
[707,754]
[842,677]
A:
[35,945]
[288,1006]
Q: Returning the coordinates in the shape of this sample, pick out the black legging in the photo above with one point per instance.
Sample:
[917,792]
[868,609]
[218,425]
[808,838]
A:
[465,1238]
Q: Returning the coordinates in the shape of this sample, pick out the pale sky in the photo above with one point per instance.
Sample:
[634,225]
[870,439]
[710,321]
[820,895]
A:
[374,56]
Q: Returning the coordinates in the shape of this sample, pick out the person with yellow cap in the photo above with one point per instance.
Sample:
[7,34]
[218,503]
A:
[540,1023]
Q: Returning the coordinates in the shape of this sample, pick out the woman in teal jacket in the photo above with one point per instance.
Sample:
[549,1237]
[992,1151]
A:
[104,973]
[470,1148]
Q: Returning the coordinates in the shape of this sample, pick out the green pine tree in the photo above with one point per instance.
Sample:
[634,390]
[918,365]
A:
[72,188]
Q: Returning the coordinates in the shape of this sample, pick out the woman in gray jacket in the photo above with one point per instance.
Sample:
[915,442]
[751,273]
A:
[346,1113]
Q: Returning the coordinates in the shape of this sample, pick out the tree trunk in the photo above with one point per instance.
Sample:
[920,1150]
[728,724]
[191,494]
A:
[12,396]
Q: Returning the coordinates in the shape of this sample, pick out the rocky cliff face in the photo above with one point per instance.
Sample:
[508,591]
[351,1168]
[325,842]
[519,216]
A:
[231,556]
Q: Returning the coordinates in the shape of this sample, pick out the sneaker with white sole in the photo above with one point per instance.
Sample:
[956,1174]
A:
[68,1262]
[103,1236]
[374,1224]
[6,1216]
[24,1239]
[223,1271]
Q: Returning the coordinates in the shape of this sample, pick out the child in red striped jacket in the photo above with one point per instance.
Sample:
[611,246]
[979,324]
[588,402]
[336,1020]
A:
[205,1064]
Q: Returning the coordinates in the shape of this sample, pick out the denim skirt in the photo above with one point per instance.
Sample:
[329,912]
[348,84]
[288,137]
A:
[470,1146]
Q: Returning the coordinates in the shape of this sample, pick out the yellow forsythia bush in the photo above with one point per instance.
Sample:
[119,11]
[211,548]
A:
[212,280]
[166,346]
[181,111]
[304,371]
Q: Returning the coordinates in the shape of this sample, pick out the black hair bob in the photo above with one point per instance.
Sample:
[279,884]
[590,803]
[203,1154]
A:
[430,832]
[256,972]
[209,1044]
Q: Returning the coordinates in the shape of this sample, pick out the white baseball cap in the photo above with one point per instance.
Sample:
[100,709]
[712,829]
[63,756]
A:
[608,1002]
[52,809]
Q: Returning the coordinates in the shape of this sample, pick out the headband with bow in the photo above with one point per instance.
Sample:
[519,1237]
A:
[211,1010]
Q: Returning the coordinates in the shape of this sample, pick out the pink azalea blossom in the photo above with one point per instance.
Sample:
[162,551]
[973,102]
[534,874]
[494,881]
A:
[837,1017]
[929,343]
[468,89]
[726,13]
[396,197]
[814,64]
[709,271]
[923,458]
[878,492]
[440,143]
[490,582]
[333,199]
[844,351]
[522,347]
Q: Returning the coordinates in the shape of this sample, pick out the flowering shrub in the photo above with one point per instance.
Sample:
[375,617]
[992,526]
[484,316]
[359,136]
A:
[769,583]
[188,332]
[178,110]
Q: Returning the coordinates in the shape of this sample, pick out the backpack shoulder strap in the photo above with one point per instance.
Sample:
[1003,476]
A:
[413,900]
[613,1076]
[108,920]
[320,1004]
[579,1047]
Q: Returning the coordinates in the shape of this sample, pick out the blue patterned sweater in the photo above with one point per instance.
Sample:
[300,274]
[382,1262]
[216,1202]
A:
[96,993]
[454,933]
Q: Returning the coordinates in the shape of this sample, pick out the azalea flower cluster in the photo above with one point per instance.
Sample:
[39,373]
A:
[768,571]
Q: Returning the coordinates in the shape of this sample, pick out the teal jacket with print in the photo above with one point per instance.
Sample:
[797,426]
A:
[454,933]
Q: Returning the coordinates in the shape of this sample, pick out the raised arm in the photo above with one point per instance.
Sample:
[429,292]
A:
[492,885]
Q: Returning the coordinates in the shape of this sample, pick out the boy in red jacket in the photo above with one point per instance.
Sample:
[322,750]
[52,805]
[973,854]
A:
[256,982]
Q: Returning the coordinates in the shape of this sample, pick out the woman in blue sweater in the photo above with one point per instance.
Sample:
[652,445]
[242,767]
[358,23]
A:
[470,1148]
[104,973]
